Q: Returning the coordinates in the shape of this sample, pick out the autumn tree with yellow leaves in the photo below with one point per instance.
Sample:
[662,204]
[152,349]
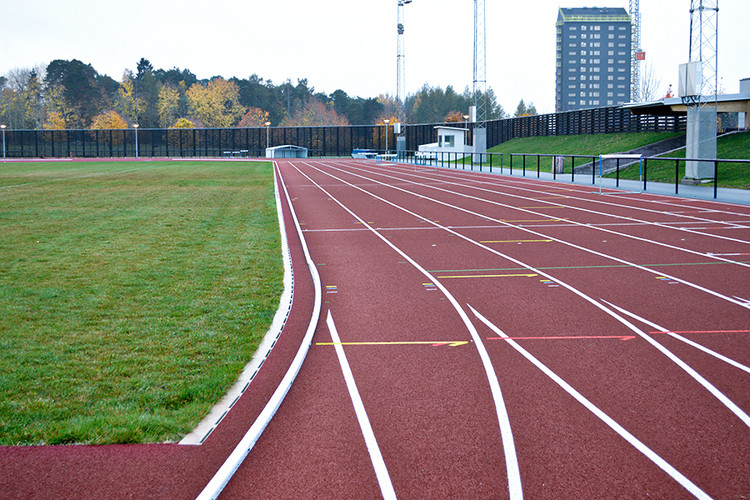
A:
[216,104]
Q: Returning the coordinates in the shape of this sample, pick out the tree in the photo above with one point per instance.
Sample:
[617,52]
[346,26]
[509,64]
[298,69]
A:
[216,104]
[55,121]
[454,117]
[168,105]
[108,120]
[78,84]
[255,117]
[147,88]
[314,113]
[127,103]
[183,123]
[520,109]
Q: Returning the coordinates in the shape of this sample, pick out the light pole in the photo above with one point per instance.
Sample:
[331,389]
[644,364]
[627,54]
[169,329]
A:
[268,134]
[3,127]
[135,126]
[386,121]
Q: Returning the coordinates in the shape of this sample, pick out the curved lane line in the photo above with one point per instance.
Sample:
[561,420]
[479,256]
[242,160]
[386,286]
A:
[684,366]
[611,423]
[381,471]
[528,230]
[506,434]
[214,488]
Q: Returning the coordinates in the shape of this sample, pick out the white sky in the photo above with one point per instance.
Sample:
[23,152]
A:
[343,44]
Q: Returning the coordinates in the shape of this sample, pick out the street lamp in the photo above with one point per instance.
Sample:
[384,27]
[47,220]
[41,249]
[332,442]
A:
[268,128]
[386,121]
[135,126]
[3,127]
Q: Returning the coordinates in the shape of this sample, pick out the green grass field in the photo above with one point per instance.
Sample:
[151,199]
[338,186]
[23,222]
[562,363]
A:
[594,145]
[734,175]
[131,294]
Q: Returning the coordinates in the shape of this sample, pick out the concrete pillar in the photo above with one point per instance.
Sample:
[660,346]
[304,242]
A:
[701,142]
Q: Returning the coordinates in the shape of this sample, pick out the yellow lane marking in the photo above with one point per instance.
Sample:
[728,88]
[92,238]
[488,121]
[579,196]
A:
[493,276]
[435,343]
[517,241]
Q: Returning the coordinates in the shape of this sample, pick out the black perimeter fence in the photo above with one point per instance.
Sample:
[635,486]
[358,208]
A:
[320,141]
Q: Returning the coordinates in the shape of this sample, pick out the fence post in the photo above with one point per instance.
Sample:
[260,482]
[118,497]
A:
[676,176]
[524,165]
[538,169]
[645,172]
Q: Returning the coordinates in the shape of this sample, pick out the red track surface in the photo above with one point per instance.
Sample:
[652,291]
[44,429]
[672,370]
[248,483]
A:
[598,405]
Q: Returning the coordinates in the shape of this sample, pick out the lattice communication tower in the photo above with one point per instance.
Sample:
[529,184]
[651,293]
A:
[636,52]
[480,65]
[400,66]
[704,43]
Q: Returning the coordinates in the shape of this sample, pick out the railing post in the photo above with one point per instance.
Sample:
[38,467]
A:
[645,172]
[617,175]
[573,169]
[491,155]
[524,165]
[716,178]
[676,176]
[538,165]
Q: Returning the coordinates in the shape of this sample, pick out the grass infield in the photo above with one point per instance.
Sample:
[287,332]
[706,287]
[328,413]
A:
[131,294]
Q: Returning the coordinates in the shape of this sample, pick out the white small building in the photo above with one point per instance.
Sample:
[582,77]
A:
[450,140]
[286,151]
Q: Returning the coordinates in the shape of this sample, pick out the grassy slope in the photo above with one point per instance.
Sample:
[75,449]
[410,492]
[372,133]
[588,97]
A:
[575,145]
[131,295]
[734,146]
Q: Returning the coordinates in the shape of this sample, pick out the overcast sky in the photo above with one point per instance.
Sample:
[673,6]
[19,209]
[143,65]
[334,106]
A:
[346,44]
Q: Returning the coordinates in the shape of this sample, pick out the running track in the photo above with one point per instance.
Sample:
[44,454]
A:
[480,337]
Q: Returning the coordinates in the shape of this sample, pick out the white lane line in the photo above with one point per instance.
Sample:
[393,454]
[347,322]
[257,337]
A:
[683,339]
[381,471]
[583,224]
[214,488]
[506,433]
[610,422]
[690,371]
[698,378]
[527,230]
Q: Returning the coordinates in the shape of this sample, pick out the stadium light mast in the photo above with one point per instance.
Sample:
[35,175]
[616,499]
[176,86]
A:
[480,80]
[399,128]
[636,54]
[3,127]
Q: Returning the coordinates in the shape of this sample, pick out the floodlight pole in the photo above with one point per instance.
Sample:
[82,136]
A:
[3,127]
[386,121]
[268,134]
[400,78]
[135,126]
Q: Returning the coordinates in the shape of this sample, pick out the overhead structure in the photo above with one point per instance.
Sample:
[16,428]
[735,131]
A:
[637,53]
[480,80]
[698,88]
[400,79]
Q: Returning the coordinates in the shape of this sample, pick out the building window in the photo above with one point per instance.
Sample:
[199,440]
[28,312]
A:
[610,61]
[611,53]
[610,103]
[611,28]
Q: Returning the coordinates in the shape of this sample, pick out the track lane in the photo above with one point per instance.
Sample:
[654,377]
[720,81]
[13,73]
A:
[459,252]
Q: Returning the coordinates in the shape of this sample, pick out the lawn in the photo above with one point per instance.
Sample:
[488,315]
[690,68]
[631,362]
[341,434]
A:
[594,145]
[131,294]
[734,175]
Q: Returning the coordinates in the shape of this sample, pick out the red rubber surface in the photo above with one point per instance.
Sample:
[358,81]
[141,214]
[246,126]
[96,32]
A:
[538,260]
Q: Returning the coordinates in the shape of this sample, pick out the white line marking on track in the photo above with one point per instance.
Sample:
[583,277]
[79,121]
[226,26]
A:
[683,339]
[690,371]
[214,488]
[530,231]
[635,442]
[381,471]
[506,433]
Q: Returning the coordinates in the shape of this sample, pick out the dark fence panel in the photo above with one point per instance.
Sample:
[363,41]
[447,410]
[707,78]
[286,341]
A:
[320,141]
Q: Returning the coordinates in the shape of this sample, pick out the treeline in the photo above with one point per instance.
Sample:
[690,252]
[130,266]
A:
[72,94]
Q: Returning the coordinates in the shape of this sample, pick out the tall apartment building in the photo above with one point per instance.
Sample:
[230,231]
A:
[593,58]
